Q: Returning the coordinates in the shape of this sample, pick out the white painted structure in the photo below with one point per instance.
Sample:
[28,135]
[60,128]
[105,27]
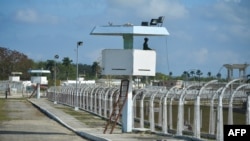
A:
[15,76]
[128,61]
[241,68]
[38,78]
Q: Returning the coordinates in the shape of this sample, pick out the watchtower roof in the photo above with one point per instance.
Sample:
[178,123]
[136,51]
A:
[127,29]
[39,71]
[236,66]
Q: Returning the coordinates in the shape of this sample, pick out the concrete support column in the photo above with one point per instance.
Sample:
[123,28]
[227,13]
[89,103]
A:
[111,103]
[248,109]
[160,113]
[141,113]
[105,103]
[84,100]
[197,118]
[170,113]
[230,112]
[128,41]
[151,114]
[211,118]
[127,110]
[38,91]
[87,101]
[134,109]
[95,101]
[100,103]
[219,136]
[91,102]
[180,118]
[164,120]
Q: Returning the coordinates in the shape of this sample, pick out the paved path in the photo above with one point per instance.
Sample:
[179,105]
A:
[27,123]
[91,126]
[24,122]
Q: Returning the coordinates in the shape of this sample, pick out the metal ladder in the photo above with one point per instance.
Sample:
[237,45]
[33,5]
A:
[35,88]
[118,106]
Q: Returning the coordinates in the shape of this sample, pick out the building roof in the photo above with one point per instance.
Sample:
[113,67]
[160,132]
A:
[39,71]
[236,66]
[120,30]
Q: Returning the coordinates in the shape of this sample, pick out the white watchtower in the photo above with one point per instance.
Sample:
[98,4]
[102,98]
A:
[39,78]
[15,76]
[129,61]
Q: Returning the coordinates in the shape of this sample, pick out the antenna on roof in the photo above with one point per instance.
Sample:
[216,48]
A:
[154,22]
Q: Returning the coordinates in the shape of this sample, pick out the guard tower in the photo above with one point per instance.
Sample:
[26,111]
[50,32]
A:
[15,76]
[39,78]
[129,61]
[241,67]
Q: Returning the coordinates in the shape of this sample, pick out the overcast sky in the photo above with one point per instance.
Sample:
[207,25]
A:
[204,34]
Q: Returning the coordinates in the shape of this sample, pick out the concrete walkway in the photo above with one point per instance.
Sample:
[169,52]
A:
[21,121]
[92,127]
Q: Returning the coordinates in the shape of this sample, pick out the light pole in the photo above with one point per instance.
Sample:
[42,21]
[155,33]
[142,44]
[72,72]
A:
[79,43]
[56,57]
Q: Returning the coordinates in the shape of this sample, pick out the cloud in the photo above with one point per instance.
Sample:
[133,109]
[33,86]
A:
[32,16]
[226,20]
[226,56]
[199,56]
[229,12]
[236,1]
[150,8]
[27,15]
[171,9]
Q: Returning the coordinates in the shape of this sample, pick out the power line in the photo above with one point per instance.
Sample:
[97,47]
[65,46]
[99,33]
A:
[167,60]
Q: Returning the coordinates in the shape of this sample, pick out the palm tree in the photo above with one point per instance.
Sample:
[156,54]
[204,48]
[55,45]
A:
[96,68]
[209,74]
[67,62]
[218,75]
[186,75]
[192,74]
[199,73]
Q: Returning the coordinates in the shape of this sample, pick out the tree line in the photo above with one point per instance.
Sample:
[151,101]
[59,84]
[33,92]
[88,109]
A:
[14,61]
[11,61]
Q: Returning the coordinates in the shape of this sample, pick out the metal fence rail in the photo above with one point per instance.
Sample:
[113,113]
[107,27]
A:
[158,109]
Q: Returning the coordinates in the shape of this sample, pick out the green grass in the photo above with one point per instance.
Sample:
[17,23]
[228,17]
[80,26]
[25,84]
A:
[80,115]
[84,117]
[3,112]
